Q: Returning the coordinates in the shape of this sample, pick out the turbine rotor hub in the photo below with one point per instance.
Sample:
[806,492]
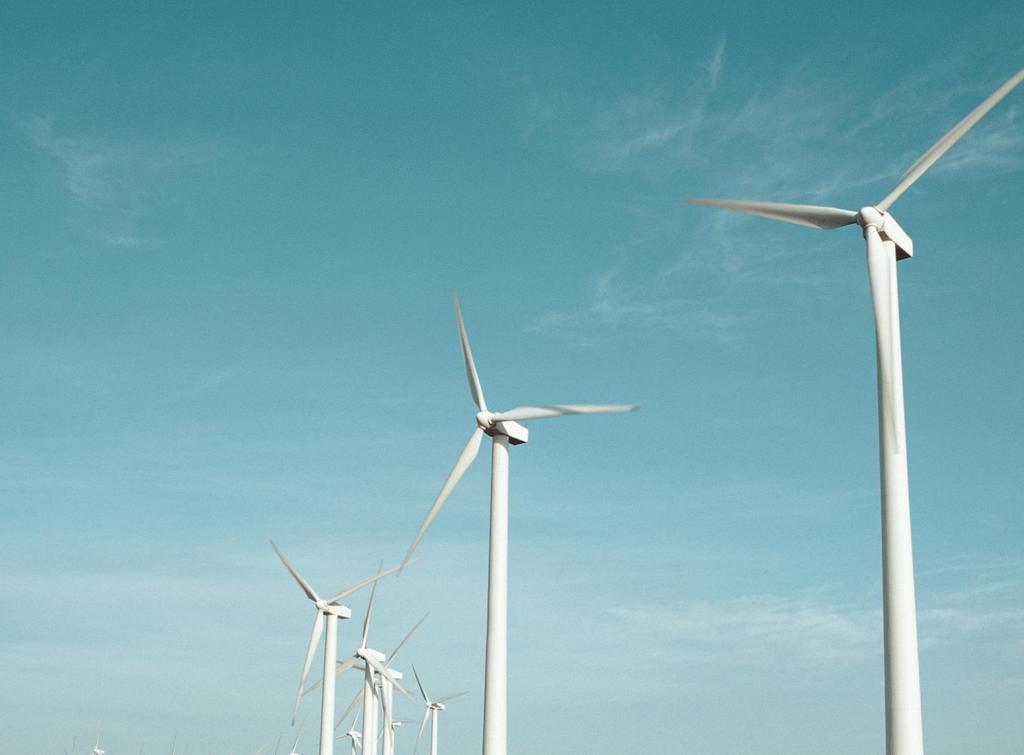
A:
[485,420]
[870,216]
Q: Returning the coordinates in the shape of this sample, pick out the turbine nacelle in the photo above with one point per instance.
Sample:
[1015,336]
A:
[888,229]
[371,655]
[334,609]
[488,422]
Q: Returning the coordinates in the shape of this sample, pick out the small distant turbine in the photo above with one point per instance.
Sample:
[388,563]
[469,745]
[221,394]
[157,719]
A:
[887,242]
[354,736]
[504,429]
[432,708]
[329,610]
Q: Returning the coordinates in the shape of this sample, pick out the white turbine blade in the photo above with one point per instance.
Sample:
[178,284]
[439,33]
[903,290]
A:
[398,647]
[954,135]
[813,216]
[364,582]
[369,612]
[376,666]
[314,638]
[446,698]
[351,707]
[879,277]
[423,725]
[523,413]
[306,587]
[423,692]
[467,356]
[297,735]
[466,458]
[340,669]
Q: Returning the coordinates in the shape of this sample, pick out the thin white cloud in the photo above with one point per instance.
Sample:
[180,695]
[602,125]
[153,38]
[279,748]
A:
[111,185]
[714,63]
[761,630]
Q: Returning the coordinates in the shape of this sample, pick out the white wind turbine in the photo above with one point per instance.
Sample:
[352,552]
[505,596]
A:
[330,610]
[354,736]
[504,429]
[432,708]
[887,242]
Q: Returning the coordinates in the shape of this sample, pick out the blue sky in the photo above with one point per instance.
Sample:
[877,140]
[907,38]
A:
[230,239]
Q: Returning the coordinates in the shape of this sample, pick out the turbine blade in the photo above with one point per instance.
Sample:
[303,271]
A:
[306,587]
[314,638]
[813,216]
[398,647]
[423,725]
[351,707]
[446,698]
[423,692]
[879,278]
[340,669]
[467,356]
[466,458]
[954,135]
[523,413]
[369,611]
[364,582]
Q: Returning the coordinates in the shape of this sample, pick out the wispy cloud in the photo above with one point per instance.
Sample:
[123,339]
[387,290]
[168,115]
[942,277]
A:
[816,628]
[802,139]
[112,184]
[715,62]
[758,630]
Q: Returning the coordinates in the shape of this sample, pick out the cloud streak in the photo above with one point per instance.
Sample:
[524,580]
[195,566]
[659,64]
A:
[111,185]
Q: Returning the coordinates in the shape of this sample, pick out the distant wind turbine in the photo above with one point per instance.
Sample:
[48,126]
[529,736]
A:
[431,709]
[329,610]
[504,429]
[887,242]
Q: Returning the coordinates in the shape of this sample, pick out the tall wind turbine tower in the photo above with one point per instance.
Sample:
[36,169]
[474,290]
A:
[887,242]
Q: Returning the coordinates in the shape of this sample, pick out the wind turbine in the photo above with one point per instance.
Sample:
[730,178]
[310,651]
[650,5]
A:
[504,429]
[432,708]
[330,610]
[887,242]
[96,747]
[354,736]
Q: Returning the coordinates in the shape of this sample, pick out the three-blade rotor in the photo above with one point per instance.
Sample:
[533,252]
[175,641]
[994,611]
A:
[489,423]
[430,705]
[828,218]
[323,607]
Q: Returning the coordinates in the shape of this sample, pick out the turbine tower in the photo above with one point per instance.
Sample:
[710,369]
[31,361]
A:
[887,242]
[329,610]
[505,430]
